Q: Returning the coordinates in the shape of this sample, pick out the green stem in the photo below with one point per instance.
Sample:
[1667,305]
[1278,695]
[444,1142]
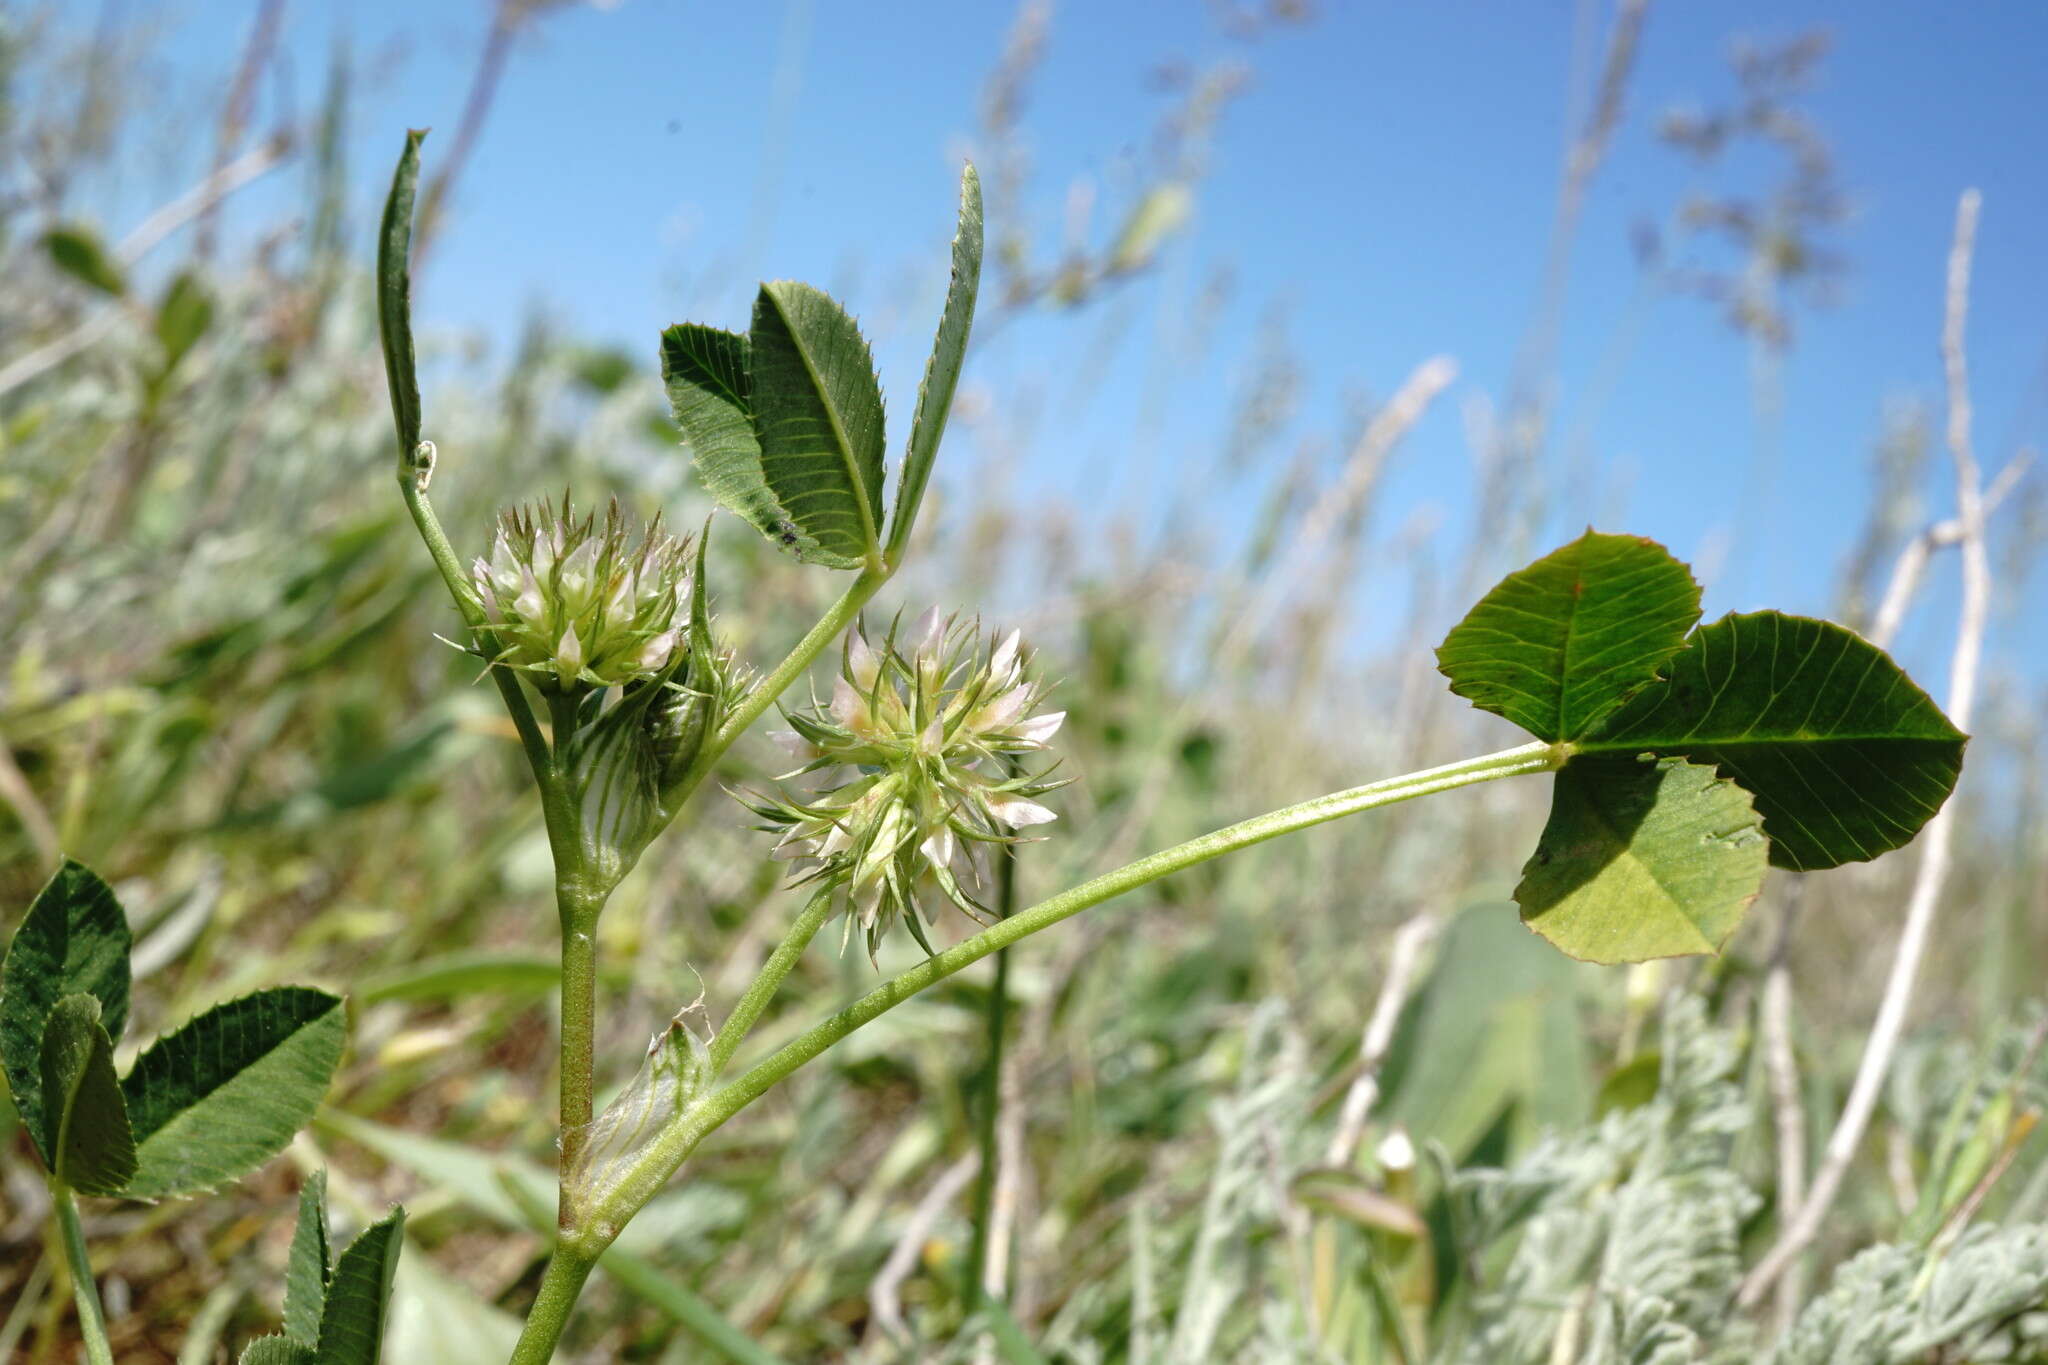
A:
[472,610]
[756,1000]
[92,1322]
[769,690]
[972,1292]
[579,914]
[660,1159]
[567,1269]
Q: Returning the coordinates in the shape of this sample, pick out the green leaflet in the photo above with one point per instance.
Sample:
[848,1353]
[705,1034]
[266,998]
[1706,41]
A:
[309,1266]
[711,395]
[79,253]
[85,1127]
[359,1295]
[394,297]
[1557,646]
[1845,757]
[818,415]
[942,371]
[277,1351]
[213,1100]
[1642,860]
[74,940]
[182,318]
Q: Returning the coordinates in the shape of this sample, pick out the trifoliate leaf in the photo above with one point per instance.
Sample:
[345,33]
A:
[217,1098]
[74,940]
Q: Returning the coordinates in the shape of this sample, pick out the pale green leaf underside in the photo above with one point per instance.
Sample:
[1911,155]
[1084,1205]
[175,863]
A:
[942,371]
[1846,758]
[223,1094]
[359,1295]
[85,1124]
[818,415]
[74,940]
[310,1263]
[711,395]
[1560,644]
[1642,860]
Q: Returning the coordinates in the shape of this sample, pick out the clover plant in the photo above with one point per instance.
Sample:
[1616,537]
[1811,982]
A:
[1684,758]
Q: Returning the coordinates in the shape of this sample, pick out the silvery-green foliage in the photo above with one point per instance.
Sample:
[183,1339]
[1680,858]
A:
[1628,1233]
[1895,1304]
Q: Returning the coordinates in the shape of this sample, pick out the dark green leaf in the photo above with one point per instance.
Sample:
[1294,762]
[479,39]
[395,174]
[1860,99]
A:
[942,371]
[359,1295]
[818,414]
[182,318]
[1559,645]
[217,1098]
[1845,757]
[394,296]
[710,393]
[85,1124]
[1642,860]
[277,1351]
[73,940]
[307,1270]
[79,253]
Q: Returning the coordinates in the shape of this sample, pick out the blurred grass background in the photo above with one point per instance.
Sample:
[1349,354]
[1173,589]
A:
[222,689]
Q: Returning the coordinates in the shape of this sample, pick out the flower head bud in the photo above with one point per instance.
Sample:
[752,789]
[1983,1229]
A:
[577,605]
[920,746]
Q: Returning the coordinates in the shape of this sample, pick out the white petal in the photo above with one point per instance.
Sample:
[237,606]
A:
[938,848]
[569,655]
[848,706]
[1039,729]
[925,634]
[528,606]
[862,661]
[1003,663]
[1017,812]
[790,742]
[998,713]
[655,652]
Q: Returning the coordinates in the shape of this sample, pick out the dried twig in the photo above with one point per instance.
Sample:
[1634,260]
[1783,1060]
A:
[1932,874]
[885,1295]
[1409,941]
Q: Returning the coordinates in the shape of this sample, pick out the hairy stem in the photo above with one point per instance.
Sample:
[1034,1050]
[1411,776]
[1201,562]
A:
[567,1269]
[758,995]
[579,1016]
[975,1286]
[660,1159]
[92,1322]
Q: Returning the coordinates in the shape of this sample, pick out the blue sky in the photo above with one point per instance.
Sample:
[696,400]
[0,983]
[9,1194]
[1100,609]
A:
[1385,185]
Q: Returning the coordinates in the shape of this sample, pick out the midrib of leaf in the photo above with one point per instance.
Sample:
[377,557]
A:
[840,441]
